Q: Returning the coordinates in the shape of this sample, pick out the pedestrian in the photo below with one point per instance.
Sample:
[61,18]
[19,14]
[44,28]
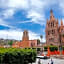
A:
[51,61]
[48,63]
[39,61]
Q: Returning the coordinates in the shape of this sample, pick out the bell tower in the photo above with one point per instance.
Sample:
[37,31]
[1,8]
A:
[25,36]
[52,34]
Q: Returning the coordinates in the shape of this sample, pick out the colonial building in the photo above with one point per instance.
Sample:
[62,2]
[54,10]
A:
[61,32]
[54,31]
[26,42]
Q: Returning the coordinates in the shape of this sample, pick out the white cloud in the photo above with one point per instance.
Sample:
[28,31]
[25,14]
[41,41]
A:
[10,34]
[10,6]
[33,35]
[14,3]
[35,11]
[36,17]
[4,23]
[24,22]
[8,13]
[34,8]
[3,3]
[61,6]
[18,3]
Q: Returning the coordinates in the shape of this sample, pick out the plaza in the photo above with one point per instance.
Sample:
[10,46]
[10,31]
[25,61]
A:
[55,61]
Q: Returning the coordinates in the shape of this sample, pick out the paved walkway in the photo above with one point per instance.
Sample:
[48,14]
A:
[56,61]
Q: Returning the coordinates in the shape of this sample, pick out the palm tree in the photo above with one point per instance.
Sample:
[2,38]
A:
[41,36]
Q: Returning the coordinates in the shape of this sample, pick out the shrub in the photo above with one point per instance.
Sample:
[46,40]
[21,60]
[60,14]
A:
[52,48]
[38,49]
[17,56]
[45,48]
[63,47]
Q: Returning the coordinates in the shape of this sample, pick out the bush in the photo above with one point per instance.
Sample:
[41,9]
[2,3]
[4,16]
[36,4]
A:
[38,49]
[62,47]
[17,56]
[45,48]
[52,48]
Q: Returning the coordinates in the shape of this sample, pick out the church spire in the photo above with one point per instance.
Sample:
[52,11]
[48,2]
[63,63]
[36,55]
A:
[51,14]
[57,22]
[61,22]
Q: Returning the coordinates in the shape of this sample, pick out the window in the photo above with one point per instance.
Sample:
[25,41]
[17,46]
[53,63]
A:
[53,24]
[51,39]
[49,24]
[31,44]
[53,31]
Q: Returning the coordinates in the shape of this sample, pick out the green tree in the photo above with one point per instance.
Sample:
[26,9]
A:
[10,42]
[41,36]
[38,41]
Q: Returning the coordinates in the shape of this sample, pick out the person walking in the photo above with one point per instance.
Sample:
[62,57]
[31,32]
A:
[51,61]
[39,61]
[48,63]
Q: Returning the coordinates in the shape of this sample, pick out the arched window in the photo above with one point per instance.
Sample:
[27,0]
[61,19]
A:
[52,31]
[51,24]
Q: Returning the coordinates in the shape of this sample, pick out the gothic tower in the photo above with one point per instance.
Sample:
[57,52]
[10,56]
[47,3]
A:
[25,36]
[61,32]
[52,34]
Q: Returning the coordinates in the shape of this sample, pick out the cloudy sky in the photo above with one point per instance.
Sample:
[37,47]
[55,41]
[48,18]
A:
[19,15]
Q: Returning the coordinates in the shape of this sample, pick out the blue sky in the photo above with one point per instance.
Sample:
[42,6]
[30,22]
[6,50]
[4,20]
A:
[19,15]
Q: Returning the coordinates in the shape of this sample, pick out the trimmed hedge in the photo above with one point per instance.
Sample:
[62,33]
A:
[62,47]
[52,48]
[17,56]
[38,49]
[45,48]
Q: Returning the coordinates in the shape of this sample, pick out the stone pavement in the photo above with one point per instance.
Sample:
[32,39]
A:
[56,61]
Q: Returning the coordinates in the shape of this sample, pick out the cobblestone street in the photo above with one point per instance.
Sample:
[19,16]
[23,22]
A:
[55,61]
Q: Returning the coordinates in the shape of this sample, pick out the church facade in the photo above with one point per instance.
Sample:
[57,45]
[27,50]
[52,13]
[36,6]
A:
[25,42]
[54,31]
